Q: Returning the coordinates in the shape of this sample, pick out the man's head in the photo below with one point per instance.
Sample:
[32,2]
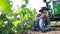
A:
[43,10]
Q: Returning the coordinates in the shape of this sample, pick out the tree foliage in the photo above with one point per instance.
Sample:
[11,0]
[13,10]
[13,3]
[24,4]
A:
[10,23]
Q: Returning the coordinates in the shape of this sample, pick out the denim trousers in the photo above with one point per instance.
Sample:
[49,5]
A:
[42,25]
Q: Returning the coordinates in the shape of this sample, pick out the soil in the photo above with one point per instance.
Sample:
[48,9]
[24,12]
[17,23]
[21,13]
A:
[53,30]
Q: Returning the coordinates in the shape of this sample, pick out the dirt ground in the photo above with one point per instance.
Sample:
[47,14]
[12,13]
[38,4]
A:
[51,32]
[54,30]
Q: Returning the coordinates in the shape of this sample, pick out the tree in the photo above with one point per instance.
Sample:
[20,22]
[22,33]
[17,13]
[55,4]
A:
[10,23]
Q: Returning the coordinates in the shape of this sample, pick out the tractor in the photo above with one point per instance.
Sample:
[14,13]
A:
[54,12]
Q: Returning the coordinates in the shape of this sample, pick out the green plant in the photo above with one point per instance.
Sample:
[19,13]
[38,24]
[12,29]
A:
[10,23]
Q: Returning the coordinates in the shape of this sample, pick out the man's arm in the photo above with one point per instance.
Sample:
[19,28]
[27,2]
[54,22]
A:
[39,17]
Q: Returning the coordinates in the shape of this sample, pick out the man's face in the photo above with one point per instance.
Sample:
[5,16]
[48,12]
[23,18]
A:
[44,11]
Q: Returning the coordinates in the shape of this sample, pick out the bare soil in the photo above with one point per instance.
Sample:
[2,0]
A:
[54,30]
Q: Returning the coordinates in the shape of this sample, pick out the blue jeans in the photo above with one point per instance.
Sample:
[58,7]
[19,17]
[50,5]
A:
[42,25]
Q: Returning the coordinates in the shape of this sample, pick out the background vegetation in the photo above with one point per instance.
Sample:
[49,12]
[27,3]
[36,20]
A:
[10,23]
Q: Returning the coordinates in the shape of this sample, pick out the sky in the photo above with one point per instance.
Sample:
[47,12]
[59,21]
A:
[37,4]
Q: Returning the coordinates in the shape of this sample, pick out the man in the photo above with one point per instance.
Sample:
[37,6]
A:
[43,19]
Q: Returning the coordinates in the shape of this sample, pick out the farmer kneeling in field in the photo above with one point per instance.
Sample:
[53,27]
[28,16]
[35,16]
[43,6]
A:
[42,20]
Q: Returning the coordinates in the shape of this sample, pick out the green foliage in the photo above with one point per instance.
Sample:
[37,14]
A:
[26,1]
[10,23]
[5,6]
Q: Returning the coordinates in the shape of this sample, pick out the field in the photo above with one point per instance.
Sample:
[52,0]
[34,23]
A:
[54,30]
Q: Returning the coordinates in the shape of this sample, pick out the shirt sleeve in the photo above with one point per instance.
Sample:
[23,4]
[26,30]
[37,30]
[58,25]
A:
[41,16]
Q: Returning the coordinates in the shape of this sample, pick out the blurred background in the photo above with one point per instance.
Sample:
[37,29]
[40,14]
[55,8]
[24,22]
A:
[18,16]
